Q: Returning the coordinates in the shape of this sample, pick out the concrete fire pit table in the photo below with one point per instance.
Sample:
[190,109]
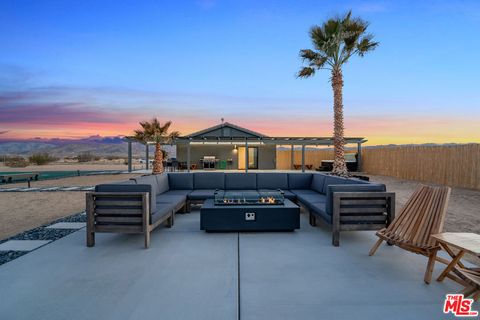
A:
[241,216]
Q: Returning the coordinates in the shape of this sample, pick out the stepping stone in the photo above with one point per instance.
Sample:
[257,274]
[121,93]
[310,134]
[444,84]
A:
[22,245]
[51,189]
[29,189]
[70,188]
[67,225]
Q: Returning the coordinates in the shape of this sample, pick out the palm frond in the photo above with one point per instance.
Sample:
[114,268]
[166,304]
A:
[154,131]
[308,55]
[366,44]
[334,42]
[306,72]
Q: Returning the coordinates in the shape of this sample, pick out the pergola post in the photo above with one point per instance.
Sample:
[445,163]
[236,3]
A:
[129,156]
[146,156]
[292,157]
[188,156]
[303,158]
[359,157]
[246,155]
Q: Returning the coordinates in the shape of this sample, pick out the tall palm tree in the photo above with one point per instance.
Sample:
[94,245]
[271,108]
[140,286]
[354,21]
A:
[153,131]
[334,42]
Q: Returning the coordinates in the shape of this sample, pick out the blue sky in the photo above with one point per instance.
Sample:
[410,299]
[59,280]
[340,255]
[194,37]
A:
[196,61]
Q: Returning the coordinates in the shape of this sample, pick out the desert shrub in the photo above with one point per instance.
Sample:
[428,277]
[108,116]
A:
[87,157]
[41,158]
[16,162]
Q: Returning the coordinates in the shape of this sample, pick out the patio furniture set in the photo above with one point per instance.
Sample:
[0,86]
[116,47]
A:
[234,202]
[141,204]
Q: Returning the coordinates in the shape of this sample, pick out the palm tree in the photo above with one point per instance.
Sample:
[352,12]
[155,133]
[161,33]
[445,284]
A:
[334,42]
[153,131]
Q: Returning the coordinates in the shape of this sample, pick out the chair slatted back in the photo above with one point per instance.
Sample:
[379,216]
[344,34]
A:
[422,216]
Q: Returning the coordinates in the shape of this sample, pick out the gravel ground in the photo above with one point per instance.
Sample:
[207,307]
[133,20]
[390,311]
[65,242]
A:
[40,233]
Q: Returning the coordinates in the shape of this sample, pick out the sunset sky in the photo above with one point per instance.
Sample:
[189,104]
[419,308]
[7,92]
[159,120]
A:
[73,69]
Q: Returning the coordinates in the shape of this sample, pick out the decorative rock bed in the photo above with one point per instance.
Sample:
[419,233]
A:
[40,233]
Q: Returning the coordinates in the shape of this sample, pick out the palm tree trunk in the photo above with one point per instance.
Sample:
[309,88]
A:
[158,163]
[339,164]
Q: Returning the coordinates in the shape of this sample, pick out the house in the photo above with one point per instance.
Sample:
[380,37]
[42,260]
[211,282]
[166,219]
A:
[225,146]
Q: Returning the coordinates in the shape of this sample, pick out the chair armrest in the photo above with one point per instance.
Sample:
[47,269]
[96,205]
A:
[363,202]
[116,205]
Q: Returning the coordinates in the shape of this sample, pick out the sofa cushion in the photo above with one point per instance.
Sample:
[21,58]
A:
[355,181]
[129,188]
[171,198]
[318,209]
[371,187]
[272,181]
[162,182]
[180,181]
[163,209]
[318,180]
[148,179]
[202,194]
[332,180]
[240,181]
[178,192]
[286,193]
[308,199]
[208,180]
[303,191]
[299,180]
[131,181]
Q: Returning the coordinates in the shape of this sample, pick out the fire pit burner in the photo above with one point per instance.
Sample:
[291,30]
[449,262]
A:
[235,198]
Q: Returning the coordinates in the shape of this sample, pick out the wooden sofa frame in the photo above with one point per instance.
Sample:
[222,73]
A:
[351,208]
[118,219]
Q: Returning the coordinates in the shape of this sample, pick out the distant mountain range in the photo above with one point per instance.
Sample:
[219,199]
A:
[113,146]
[351,147]
[102,146]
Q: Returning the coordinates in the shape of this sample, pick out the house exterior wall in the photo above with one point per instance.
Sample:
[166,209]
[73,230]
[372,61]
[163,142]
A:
[266,154]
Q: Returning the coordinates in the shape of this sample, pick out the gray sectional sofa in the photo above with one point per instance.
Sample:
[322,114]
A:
[143,203]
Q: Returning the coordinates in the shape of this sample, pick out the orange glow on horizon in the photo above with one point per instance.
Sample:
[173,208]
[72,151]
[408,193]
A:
[377,131]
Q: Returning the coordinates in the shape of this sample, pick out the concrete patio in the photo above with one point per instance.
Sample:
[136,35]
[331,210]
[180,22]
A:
[190,274]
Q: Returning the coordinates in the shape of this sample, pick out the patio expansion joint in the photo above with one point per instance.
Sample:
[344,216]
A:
[22,245]
[238,276]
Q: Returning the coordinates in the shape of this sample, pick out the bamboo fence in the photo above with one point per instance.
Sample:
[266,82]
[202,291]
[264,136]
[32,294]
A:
[455,165]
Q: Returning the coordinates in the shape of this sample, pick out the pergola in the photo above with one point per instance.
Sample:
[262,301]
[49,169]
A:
[246,141]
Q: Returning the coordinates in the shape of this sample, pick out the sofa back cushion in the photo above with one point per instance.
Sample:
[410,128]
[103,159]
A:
[272,180]
[371,187]
[208,180]
[318,181]
[130,188]
[149,179]
[299,181]
[332,180]
[355,181]
[180,181]
[240,181]
[131,181]
[162,183]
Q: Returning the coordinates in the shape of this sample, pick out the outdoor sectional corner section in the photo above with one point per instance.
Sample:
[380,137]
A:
[143,203]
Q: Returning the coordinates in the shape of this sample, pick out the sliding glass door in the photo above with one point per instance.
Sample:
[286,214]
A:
[252,158]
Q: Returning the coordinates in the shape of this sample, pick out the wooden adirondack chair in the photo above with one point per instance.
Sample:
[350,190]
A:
[422,216]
